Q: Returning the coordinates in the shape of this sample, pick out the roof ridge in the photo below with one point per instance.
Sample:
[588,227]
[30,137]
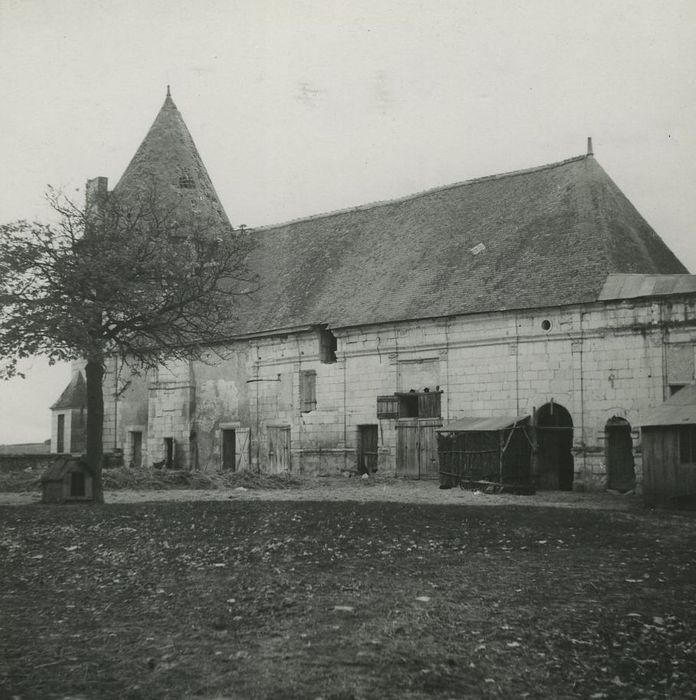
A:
[422,193]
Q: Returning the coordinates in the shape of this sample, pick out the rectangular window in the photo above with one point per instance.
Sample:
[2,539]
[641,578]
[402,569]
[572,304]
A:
[687,444]
[60,437]
[674,388]
[308,390]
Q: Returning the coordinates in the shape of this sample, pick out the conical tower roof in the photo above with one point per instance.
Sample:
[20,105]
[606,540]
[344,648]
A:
[168,164]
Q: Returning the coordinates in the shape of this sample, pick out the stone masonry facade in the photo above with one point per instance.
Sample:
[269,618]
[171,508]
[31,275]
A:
[599,361]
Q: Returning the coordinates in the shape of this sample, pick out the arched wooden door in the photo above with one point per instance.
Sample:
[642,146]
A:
[621,474]
[554,428]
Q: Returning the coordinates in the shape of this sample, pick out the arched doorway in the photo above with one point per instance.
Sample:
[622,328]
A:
[554,443]
[621,474]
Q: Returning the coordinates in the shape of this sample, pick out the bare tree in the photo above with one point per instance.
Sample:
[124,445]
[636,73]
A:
[138,279]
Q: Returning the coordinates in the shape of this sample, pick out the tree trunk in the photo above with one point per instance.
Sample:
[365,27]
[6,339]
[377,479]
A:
[95,423]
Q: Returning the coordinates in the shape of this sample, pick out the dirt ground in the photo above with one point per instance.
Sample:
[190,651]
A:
[355,489]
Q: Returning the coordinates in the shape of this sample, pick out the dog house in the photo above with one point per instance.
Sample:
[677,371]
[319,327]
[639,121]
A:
[488,452]
[67,479]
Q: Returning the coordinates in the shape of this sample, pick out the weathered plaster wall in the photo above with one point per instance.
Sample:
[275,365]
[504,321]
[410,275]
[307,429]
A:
[598,361]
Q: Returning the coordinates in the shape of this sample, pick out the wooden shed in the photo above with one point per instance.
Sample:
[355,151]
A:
[669,451]
[486,451]
[67,479]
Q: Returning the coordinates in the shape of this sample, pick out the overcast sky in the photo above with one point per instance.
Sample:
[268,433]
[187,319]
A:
[303,107]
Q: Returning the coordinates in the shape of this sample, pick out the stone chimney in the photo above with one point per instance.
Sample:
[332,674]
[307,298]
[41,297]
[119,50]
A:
[96,190]
[590,152]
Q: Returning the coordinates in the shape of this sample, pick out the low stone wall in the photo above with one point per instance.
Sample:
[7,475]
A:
[18,463]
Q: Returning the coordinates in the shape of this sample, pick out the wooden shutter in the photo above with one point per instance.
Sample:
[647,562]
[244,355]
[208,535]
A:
[429,405]
[308,396]
[387,406]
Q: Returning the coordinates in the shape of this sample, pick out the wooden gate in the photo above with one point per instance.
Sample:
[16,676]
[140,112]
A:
[278,449]
[416,448]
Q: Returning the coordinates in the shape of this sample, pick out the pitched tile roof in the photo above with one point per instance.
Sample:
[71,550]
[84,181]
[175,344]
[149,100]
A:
[74,395]
[168,162]
[547,236]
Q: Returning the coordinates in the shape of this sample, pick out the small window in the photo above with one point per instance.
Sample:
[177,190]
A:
[308,390]
[687,444]
[186,182]
[328,344]
[674,388]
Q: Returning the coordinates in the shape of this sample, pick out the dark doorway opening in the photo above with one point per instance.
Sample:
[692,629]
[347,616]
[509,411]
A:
[621,474]
[77,484]
[169,453]
[367,449]
[136,449]
[554,444]
[229,450]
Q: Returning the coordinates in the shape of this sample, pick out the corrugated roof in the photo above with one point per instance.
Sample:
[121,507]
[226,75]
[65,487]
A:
[622,286]
[74,395]
[679,409]
[480,425]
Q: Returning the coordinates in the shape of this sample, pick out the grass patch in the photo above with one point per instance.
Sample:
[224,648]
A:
[263,599]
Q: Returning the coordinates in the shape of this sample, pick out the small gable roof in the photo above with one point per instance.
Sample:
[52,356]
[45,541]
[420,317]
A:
[74,395]
[61,465]
[679,409]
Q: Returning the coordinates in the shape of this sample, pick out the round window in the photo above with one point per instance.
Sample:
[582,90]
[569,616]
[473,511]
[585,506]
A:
[546,324]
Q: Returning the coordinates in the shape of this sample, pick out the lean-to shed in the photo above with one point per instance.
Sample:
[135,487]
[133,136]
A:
[476,450]
[67,479]
[669,451]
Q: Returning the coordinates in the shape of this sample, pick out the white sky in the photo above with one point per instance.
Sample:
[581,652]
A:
[303,107]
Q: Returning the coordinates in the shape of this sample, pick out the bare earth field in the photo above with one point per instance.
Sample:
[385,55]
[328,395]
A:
[343,590]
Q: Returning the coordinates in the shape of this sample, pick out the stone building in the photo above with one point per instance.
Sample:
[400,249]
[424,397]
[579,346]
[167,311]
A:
[540,292]
[69,417]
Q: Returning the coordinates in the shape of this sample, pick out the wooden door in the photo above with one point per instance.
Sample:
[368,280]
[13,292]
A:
[367,449]
[416,449]
[278,449]
[407,450]
[428,465]
[242,449]
[229,450]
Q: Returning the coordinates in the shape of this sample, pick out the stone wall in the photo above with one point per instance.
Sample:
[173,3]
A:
[599,361]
